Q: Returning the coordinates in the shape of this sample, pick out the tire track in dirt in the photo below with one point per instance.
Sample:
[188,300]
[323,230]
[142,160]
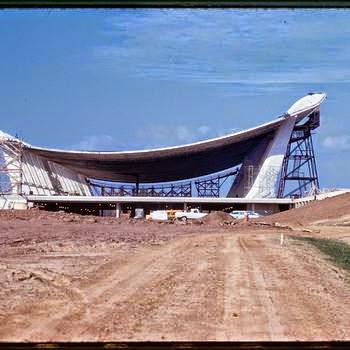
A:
[230,326]
[192,311]
[217,286]
[111,294]
[265,303]
[75,302]
[249,310]
[305,303]
[310,305]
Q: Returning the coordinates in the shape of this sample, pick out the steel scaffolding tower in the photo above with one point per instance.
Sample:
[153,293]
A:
[10,168]
[299,164]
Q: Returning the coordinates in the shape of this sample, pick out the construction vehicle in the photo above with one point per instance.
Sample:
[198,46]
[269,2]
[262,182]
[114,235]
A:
[162,215]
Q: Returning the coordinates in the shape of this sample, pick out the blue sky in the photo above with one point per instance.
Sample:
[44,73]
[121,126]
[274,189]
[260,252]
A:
[130,79]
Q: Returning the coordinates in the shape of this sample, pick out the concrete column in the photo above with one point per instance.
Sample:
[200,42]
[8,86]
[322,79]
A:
[117,210]
[185,206]
[137,184]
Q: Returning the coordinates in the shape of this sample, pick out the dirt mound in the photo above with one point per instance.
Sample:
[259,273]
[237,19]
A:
[327,210]
[218,218]
[36,214]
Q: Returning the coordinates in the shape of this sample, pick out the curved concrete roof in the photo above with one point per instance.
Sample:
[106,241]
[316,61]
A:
[174,163]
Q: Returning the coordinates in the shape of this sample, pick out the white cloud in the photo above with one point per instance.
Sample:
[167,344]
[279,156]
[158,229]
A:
[95,143]
[225,131]
[340,142]
[155,135]
[204,129]
[184,134]
[230,47]
[162,135]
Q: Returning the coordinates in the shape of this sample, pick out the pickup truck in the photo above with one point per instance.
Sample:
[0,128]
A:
[192,214]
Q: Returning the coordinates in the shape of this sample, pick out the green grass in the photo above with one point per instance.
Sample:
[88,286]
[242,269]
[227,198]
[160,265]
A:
[338,251]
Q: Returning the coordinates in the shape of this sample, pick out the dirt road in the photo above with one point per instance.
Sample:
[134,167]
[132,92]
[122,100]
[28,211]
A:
[222,285]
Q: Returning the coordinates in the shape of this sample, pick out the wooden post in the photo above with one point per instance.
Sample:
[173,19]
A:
[246,217]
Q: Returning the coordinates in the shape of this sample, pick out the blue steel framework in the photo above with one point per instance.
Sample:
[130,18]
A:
[205,187]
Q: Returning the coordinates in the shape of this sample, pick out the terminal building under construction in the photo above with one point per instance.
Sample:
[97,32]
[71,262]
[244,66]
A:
[265,165]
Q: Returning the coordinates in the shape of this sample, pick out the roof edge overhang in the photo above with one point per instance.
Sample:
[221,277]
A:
[298,110]
[175,162]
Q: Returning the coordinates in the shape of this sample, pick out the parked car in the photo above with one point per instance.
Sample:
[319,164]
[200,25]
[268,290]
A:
[241,214]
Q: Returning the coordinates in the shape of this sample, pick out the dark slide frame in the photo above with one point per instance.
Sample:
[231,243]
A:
[175,3]
[102,4]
